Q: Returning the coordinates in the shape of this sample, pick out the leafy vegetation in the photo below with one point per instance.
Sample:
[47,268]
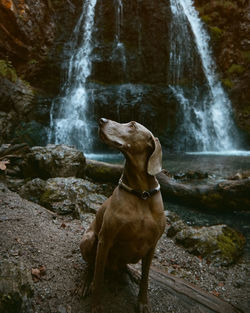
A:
[227,82]
[236,69]
[7,70]
[216,32]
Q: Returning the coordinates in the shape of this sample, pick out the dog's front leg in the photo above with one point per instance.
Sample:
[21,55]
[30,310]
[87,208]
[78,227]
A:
[143,305]
[100,262]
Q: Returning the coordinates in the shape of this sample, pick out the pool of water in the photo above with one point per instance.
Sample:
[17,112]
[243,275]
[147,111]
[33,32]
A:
[216,165]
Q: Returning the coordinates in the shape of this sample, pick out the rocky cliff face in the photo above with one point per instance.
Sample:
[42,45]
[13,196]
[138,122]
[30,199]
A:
[130,59]
[32,34]
[229,25]
[130,64]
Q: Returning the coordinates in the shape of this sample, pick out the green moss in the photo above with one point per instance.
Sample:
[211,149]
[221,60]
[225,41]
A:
[236,69]
[216,32]
[231,243]
[246,55]
[7,70]
[227,83]
[206,19]
[45,197]
[33,61]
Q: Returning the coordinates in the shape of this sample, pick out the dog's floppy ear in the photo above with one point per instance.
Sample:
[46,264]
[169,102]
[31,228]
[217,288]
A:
[155,160]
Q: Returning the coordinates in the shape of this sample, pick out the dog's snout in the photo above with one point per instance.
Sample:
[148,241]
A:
[102,121]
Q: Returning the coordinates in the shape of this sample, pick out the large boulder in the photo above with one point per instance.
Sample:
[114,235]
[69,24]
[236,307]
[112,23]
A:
[219,244]
[65,195]
[54,161]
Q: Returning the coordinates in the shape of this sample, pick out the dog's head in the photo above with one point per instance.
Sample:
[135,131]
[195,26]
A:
[133,140]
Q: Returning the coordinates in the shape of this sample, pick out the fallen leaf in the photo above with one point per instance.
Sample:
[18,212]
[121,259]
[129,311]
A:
[3,164]
[38,272]
[36,275]
[215,293]
[42,270]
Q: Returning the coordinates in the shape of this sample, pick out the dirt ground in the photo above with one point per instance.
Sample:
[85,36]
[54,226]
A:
[40,239]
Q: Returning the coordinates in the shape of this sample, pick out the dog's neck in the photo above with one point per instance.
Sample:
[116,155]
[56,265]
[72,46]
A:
[135,175]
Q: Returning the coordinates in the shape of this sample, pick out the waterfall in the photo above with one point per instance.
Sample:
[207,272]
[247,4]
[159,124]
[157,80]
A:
[205,113]
[69,121]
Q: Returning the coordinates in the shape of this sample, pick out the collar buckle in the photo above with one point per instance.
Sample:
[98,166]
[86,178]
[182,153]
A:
[145,195]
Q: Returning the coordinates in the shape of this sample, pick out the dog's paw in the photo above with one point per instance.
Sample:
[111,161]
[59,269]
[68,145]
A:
[144,308]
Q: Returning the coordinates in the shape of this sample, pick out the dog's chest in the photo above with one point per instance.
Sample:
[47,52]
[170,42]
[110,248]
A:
[134,239]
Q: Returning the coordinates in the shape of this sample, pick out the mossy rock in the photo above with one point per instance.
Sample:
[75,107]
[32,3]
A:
[7,70]
[219,244]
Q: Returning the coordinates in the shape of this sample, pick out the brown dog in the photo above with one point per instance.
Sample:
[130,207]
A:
[129,223]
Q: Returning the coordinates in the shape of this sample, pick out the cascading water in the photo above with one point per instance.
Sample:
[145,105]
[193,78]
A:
[205,110]
[69,113]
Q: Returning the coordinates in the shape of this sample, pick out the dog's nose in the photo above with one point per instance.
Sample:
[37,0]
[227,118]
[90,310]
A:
[102,121]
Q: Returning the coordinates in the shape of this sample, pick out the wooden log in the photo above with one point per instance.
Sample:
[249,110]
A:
[189,296]
[13,150]
[226,195]
[103,172]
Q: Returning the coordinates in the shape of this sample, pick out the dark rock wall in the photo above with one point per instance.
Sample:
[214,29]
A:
[128,79]
[32,36]
[144,35]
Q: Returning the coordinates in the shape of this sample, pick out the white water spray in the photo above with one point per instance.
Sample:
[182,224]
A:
[69,122]
[206,118]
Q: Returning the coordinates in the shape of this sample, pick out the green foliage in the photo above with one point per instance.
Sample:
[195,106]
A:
[230,242]
[206,19]
[33,61]
[227,83]
[216,32]
[246,55]
[236,69]
[7,70]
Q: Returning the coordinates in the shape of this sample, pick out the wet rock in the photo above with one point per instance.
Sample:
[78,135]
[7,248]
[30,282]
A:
[54,161]
[191,175]
[175,222]
[219,244]
[240,175]
[33,190]
[16,288]
[64,195]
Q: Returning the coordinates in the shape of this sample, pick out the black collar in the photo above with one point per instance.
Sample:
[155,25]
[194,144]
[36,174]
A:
[142,194]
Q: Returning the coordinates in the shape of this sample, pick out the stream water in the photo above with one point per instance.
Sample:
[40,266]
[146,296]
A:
[205,113]
[69,121]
